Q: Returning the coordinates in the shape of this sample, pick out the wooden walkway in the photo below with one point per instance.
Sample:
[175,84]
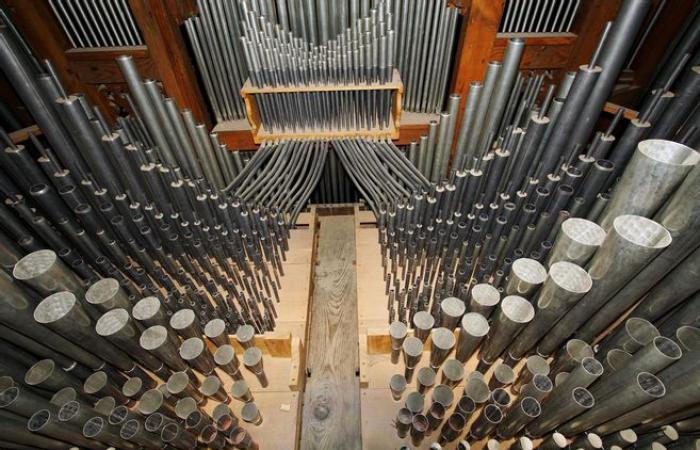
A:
[331,410]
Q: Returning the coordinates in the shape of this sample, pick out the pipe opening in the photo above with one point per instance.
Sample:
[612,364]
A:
[443,395]
[668,152]
[105,405]
[500,397]
[477,389]
[583,397]
[651,384]
[617,358]
[578,349]
[154,422]
[594,440]
[569,277]
[170,432]
[146,308]
[225,422]
[68,411]
[466,405]
[592,366]
[667,347]
[583,231]
[177,382]
[453,370]
[8,396]
[95,382]
[475,324]
[150,402]
[437,410]
[517,309]
[153,337]
[442,338]
[689,338]
[404,416]
[485,294]
[118,415]
[184,407]
[642,231]
[129,429]
[102,291]
[54,307]
[93,427]
[640,330]
[182,319]
[210,385]
[493,413]
[504,374]
[208,434]
[40,372]
[457,422]
[530,406]
[38,420]
[414,402]
[537,364]
[112,322]
[529,270]
[412,346]
[132,386]
[420,423]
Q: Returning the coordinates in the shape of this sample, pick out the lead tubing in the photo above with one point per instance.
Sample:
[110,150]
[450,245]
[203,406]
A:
[646,388]
[518,416]
[62,313]
[559,408]
[631,243]
[655,171]
[565,285]
[514,313]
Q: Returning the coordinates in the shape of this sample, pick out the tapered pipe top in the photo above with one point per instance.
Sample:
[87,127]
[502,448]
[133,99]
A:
[656,169]
[149,311]
[112,322]
[151,401]
[576,242]
[106,294]
[635,334]
[46,273]
[58,306]
[526,276]
[483,298]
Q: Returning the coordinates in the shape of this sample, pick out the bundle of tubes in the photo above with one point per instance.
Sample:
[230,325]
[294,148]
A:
[311,112]
[142,203]
[335,185]
[89,368]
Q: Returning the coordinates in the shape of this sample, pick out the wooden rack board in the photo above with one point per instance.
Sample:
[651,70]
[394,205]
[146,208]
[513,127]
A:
[260,134]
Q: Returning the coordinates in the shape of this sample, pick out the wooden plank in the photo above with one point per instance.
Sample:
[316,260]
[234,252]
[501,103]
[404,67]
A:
[394,84]
[22,134]
[331,415]
[542,56]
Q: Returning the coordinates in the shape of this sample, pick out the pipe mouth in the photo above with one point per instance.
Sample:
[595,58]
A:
[525,443]
[208,434]
[504,374]
[182,319]
[239,388]
[537,364]
[68,411]
[6,382]
[500,397]
[688,338]
[150,402]
[132,386]
[154,422]
[642,231]
[442,338]
[453,370]
[93,427]
[210,385]
[529,270]
[668,152]
[170,432]
[583,397]
[54,307]
[422,320]
[215,328]
[530,407]
[224,355]
[193,419]
[38,420]
[517,309]
[112,322]
[569,277]
[419,423]
[641,330]
[426,376]
[466,405]
[578,349]
[238,436]
[437,410]
[592,366]
[398,382]
[542,383]
[477,389]
[249,412]
[493,444]
[40,372]
[8,396]
[34,264]
[475,324]
[153,337]
[412,346]
[184,407]
[628,435]
[414,402]
[221,409]
[493,413]
[651,384]
[252,356]
[667,347]
[102,291]
[404,416]
[105,405]
[146,308]
[118,415]
[559,439]
[485,294]
[398,330]
[130,428]
[245,333]
[452,306]
[95,382]
[594,440]
[584,232]
[177,382]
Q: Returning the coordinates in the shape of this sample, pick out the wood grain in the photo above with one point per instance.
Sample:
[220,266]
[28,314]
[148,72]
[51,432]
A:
[331,415]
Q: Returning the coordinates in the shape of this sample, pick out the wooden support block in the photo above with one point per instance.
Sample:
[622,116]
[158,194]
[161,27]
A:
[378,341]
[364,362]
[295,377]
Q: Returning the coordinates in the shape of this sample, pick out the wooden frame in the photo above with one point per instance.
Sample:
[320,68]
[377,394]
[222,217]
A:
[261,135]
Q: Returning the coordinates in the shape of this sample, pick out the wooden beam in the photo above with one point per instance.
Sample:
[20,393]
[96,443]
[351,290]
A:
[22,134]
[159,21]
